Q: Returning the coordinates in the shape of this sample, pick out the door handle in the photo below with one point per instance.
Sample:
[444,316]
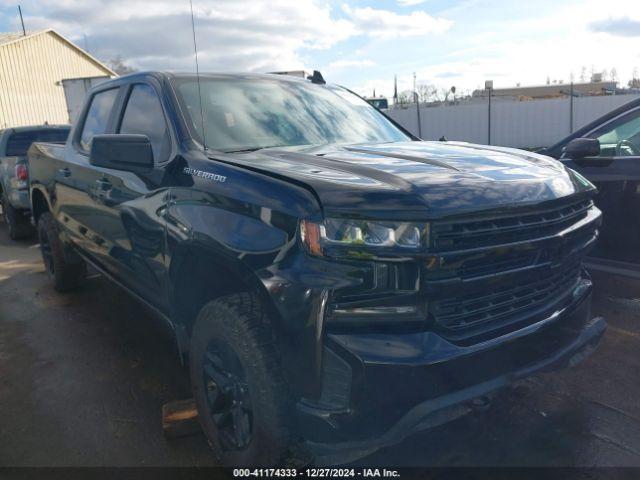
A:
[64,172]
[102,191]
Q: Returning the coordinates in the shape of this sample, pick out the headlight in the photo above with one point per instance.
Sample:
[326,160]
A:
[363,238]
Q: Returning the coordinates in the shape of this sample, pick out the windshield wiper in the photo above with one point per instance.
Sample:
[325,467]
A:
[252,149]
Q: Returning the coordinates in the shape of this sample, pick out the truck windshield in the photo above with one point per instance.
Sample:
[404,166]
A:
[249,114]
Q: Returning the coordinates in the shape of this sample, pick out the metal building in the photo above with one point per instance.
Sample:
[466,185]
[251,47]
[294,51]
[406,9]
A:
[32,68]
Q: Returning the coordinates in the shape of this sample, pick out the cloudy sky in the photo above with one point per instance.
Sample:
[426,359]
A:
[360,44]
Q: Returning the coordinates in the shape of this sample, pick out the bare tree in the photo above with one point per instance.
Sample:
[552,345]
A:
[119,66]
[427,92]
[443,94]
[635,81]
[405,98]
[583,74]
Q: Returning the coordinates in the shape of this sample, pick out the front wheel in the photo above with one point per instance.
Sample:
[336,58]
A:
[65,275]
[238,383]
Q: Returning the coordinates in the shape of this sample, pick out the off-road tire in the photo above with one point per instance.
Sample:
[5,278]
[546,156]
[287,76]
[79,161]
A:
[240,322]
[65,275]
[17,226]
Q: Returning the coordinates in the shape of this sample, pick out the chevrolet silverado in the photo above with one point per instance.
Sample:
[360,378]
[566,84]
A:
[333,282]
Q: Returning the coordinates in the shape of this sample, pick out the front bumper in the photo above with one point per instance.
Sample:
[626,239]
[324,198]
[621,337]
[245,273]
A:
[399,384]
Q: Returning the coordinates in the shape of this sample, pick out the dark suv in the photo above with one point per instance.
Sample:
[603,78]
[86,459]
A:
[607,153]
[335,282]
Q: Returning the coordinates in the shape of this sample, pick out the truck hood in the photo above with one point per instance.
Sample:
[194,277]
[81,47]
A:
[417,179]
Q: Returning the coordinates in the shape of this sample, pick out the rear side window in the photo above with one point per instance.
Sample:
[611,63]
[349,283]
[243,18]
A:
[97,117]
[18,143]
[143,115]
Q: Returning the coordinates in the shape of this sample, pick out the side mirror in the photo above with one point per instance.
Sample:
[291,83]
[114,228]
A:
[582,147]
[131,153]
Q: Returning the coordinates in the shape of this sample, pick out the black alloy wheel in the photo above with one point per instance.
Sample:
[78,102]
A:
[228,396]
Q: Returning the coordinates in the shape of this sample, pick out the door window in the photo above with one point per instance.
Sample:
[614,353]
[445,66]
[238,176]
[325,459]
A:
[97,118]
[143,115]
[621,138]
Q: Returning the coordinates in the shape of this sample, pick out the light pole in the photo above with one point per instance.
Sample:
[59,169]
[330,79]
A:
[488,85]
[417,100]
[571,107]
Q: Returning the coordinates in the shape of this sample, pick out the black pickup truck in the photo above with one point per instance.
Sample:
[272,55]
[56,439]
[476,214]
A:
[334,283]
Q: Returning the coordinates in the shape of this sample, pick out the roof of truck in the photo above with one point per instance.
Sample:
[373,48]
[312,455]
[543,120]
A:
[161,76]
[169,74]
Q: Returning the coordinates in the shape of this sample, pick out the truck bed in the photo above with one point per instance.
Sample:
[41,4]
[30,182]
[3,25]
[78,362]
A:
[45,159]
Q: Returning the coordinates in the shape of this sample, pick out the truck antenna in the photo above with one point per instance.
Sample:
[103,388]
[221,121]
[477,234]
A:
[24,32]
[195,49]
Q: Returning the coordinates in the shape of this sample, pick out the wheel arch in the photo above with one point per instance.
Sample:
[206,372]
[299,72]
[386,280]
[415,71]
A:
[39,204]
[198,274]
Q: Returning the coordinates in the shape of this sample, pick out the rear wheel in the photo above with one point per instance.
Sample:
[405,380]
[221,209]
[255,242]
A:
[238,383]
[65,275]
[18,225]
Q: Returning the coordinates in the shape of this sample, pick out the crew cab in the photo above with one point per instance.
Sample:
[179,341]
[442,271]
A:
[14,172]
[335,283]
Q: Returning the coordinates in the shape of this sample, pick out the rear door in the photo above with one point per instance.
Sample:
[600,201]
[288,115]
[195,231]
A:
[127,207]
[616,173]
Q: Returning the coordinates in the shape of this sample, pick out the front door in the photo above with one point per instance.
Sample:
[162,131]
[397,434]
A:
[128,206]
[74,176]
[616,173]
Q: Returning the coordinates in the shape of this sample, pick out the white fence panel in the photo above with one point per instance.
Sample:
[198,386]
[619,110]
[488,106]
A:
[588,109]
[526,124]
[529,124]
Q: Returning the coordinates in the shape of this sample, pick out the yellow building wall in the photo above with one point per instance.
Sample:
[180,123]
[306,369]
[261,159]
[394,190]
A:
[30,74]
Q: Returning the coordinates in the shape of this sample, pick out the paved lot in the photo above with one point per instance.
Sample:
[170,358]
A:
[83,377]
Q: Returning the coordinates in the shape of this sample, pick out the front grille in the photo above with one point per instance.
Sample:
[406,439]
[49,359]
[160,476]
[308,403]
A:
[506,302]
[507,228]
[501,272]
